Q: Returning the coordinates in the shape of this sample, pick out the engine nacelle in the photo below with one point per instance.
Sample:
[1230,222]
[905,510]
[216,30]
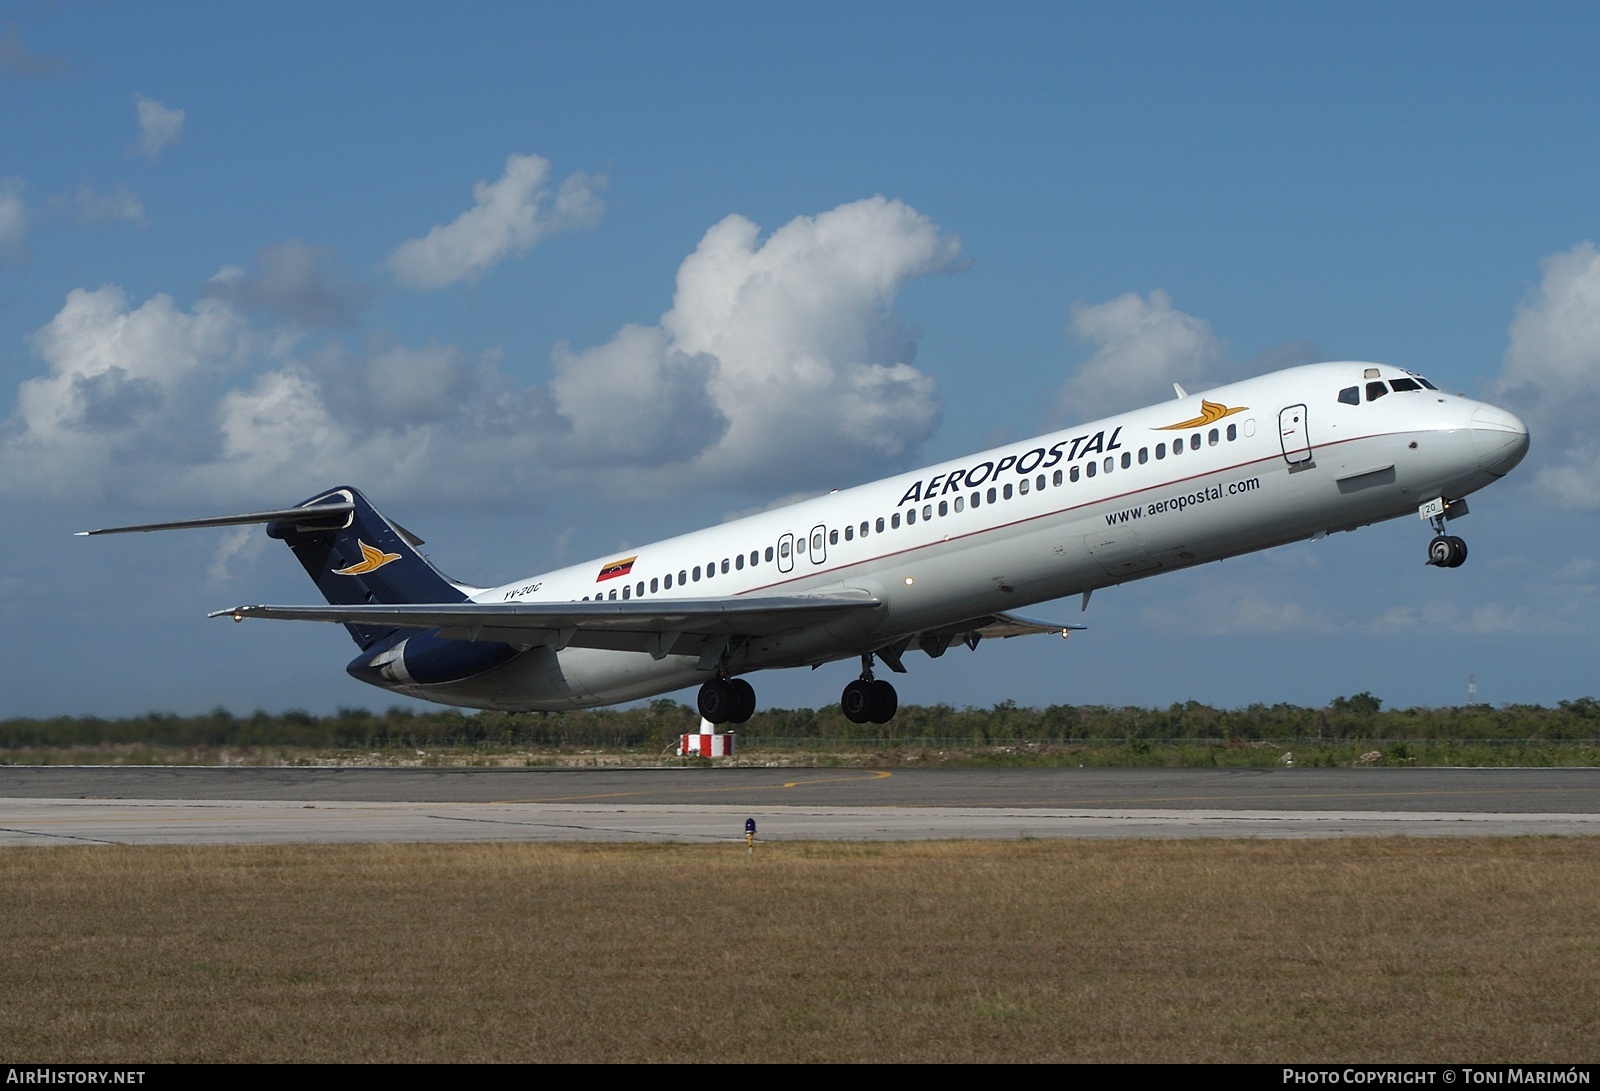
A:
[428,659]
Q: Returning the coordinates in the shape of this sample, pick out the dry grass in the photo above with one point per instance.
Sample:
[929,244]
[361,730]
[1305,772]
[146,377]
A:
[1461,950]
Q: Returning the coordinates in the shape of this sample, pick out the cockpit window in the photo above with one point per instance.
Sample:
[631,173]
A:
[1376,391]
[1350,395]
[1397,385]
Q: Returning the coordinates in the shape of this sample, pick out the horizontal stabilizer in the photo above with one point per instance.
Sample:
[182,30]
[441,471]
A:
[319,516]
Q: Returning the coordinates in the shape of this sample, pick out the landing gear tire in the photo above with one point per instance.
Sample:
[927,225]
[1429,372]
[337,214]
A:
[858,700]
[887,702]
[1447,551]
[718,702]
[869,701]
[745,700]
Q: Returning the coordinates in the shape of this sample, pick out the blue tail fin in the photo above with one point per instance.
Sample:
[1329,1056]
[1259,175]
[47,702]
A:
[360,557]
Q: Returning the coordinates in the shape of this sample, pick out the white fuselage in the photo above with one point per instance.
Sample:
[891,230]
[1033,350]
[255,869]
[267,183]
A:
[1086,507]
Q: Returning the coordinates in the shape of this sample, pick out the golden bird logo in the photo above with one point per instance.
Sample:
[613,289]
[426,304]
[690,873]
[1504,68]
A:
[1210,413]
[371,560]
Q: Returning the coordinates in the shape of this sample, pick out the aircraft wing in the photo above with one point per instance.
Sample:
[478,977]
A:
[652,625]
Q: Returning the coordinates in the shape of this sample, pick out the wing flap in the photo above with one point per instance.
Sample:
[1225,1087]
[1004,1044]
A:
[998,626]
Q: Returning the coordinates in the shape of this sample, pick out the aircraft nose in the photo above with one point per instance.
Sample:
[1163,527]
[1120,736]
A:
[1499,438]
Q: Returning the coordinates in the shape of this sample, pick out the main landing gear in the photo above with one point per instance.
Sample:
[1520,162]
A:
[1446,550]
[727,701]
[868,699]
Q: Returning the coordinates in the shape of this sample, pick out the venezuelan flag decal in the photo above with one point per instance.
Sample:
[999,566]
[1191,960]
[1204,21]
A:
[371,560]
[1210,412]
[616,568]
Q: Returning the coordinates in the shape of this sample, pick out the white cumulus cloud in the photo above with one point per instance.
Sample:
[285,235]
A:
[1142,346]
[159,126]
[508,217]
[784,357]
[781,367]
[1551,376]
[127,392]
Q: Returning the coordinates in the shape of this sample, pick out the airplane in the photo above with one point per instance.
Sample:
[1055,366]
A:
[918,561]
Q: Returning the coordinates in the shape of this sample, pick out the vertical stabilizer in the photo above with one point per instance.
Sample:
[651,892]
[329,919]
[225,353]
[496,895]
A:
[361,557]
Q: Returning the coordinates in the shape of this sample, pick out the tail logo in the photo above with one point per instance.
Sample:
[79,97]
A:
[371,560]
[1210,413]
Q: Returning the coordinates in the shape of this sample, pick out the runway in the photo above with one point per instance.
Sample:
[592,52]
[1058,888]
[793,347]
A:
[209,805]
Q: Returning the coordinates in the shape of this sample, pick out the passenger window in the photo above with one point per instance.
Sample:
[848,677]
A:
[1233,432]
[1074,474]
[1212,437]
[927,512]
[640,589]
[850,533]
[666,581]
[863,530]
[911,516]
[683,577]
[799,545]
[1127,460]
[1006,492]
[894,521]
[627,592]
[1056,480]
[655,584]
[991,496]
[613,595]
[1038,482]
[738,562]
[878,526]
[1177,447]
[1161,451]
[1350,395]
[1089,468]
[833,537]
[976,501]
[959,503]
[1194,442]
[1144,455]
[1376,391]
[1022,486]
[724,566]
[944,508]
[769,554]
[783,549]
[755,557]
[1110,463]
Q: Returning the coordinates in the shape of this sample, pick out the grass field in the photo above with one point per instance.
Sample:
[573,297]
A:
[1461,950]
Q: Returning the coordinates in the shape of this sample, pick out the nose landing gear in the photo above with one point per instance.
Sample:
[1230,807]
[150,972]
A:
[1446,550]
[868,699]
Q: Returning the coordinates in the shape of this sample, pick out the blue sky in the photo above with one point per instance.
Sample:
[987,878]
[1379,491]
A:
[546,281]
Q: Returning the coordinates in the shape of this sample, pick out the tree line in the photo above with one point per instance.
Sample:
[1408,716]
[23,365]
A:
[656,725]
